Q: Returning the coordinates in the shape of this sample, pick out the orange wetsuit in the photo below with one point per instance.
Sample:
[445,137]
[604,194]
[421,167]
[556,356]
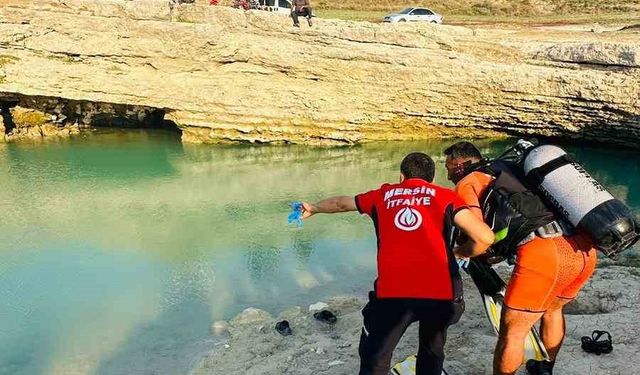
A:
[545,269]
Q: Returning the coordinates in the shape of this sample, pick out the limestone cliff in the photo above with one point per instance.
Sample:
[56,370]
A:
[221,74]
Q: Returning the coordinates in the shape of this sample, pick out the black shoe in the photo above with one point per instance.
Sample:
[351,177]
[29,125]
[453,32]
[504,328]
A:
[296,25]
[325,316]
[283,328]
[599,343]
[310,22]
[539,367]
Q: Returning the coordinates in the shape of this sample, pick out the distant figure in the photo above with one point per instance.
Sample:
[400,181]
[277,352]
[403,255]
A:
[301,8]
[241,4]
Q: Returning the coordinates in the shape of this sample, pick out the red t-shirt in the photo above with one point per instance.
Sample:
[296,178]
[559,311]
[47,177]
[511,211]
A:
[414,225]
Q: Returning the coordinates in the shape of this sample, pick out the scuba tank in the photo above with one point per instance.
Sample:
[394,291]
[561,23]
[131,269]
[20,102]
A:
[578,198]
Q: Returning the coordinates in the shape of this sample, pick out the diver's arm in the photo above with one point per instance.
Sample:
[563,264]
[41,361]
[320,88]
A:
[329,206]
[479,234]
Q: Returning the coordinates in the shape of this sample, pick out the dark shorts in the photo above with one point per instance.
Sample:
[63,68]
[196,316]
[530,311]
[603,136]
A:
[386,320]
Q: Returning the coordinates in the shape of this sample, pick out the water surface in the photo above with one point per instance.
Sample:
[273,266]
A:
[119,250]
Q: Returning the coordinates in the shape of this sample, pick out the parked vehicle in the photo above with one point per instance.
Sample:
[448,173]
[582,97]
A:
[414,15]
[281,6]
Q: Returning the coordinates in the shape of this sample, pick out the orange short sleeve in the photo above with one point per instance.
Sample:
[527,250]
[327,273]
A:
[472,187]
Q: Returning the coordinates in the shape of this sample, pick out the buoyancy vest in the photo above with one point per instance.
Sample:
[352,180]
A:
[510,208]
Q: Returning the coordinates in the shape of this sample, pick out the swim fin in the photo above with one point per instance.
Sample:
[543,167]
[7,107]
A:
[407,367]
[492,290]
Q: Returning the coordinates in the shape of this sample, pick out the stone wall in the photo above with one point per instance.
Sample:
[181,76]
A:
[222,75]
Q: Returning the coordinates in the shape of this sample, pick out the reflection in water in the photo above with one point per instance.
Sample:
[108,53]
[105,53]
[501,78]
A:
[303,247]
[119,251]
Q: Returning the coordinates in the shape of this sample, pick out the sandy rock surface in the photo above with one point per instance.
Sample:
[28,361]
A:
[221,74]
[611,301]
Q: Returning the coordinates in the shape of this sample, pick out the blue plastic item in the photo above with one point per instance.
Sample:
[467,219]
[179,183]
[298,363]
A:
[296,214]
[463,262]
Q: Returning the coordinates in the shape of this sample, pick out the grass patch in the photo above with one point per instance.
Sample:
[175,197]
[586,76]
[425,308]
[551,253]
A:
[602,18]
[489,7]
[349,14]
[610,18]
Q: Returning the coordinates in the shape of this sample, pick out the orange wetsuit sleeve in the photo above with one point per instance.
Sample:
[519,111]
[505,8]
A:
[470,190]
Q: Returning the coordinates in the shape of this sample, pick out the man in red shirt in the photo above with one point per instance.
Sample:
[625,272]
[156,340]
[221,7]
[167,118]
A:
[418,277]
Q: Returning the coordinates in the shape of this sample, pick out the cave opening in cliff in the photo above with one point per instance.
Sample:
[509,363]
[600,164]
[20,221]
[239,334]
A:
[7,118]
[24,116]
[144,119]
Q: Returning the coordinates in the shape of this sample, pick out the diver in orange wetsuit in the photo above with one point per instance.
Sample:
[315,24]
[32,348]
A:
[549,273]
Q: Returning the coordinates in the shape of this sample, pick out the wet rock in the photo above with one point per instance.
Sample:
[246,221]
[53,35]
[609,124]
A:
[291,314]
[345,304]
[317,306]
[28,117]
[251,316]
[220,327]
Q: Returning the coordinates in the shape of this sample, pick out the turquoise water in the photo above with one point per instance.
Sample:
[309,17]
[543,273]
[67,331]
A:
[118,250]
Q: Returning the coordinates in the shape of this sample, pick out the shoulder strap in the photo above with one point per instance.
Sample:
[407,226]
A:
[537,175]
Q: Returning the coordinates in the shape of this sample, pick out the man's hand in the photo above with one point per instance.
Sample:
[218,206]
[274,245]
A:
[329,206]
[307,210]
[479,233]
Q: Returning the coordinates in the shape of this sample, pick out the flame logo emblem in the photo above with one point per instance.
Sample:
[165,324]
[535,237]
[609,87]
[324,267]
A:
[408,219]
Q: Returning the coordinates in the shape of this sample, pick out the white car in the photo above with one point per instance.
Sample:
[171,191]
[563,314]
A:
[414,15]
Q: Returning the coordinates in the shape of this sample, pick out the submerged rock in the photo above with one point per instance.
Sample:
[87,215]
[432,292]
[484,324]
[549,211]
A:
[220,327]
[251,316]
[317,306]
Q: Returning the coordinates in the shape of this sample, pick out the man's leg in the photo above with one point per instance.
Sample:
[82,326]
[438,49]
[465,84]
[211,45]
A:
[530,293]
[514,327]
[309,15]
[384,324]
[580,258]
[553,328]
[294,15]
[433,335]
[431,350]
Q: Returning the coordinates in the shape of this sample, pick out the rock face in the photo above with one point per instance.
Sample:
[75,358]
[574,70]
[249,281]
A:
[221,74]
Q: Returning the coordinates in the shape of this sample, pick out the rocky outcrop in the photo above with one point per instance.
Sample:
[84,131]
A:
[605,54]
[609,301]
[35,117]
[31,123]
[221,74]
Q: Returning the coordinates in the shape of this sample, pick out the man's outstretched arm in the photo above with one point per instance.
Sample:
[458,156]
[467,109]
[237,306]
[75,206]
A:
[329,206]
[479,234]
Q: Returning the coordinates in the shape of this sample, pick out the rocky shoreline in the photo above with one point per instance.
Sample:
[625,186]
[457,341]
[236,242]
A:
[218,74]
[250,344]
